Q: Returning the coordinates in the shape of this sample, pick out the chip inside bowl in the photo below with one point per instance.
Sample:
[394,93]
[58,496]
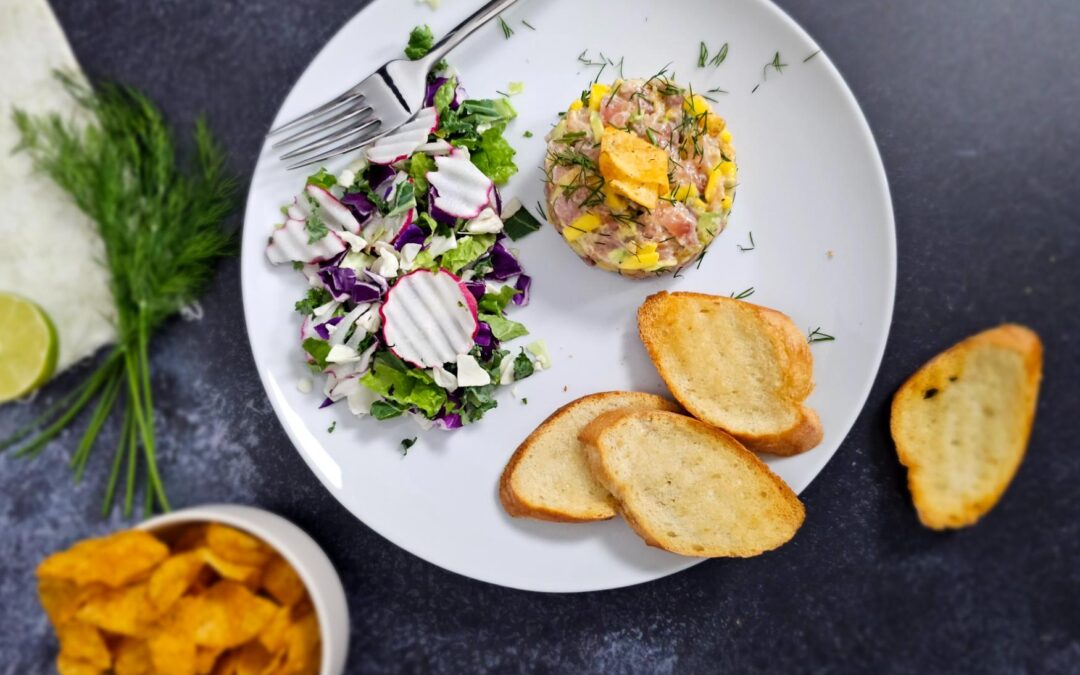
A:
[206,598]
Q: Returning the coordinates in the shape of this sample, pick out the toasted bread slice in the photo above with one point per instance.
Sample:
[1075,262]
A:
[690,488]
[961,424]
[547,478]
[743,368]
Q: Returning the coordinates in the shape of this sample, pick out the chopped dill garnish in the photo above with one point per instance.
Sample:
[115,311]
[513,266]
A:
[745,294]
[811,56]
[540,208]
[817,336]
[330,429]
[775,64]
[717,90]
[527,134]
[703,55]
[751,247]
[754,90]
[407,443]
[719,57]
[507,31]
[527,24]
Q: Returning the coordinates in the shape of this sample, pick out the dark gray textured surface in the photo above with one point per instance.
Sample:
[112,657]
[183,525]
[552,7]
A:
[974,103]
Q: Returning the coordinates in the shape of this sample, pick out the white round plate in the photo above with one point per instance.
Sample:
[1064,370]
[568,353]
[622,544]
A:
[813,193]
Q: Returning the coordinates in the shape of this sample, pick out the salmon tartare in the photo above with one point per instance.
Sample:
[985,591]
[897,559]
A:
[640,176]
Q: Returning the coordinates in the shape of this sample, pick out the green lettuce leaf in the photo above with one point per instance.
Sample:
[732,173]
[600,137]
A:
[467,251]
[494,156]
[400,383]
[421,40]
[504,329]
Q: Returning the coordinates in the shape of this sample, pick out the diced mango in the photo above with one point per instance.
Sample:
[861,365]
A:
[583,224]
[696,105]
[728,169]
[725,203]
[715,125]
[725,136]
[577,105]
[716,179]
[646,257]
[597,94]
[614,200]
[683,193]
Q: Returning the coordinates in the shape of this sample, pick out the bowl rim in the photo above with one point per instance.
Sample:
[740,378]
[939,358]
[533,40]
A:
[235,515]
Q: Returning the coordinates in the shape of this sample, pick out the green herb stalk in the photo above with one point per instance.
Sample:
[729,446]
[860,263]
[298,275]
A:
[161,226]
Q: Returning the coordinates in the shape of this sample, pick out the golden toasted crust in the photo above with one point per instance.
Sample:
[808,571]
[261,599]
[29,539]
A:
[590,501]
[790,427]
[684,512]
[961,423]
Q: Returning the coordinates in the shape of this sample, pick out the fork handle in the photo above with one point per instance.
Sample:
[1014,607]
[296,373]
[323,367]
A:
[464,30]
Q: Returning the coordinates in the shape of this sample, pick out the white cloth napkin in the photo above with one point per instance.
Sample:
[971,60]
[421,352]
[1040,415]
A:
[50,251]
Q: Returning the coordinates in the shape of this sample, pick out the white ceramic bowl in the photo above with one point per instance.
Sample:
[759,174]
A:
[300,550]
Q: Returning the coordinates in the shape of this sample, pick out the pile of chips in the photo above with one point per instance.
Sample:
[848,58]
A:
[205,599]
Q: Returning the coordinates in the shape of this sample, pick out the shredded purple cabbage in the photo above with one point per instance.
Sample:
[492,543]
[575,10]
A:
[326,403]
[323,329]
[410,234]
[498,200]
[450,421]
[484,336]
[359,205]
[477,288]
[379,174]
[342,283]
[523,284]
[504,264]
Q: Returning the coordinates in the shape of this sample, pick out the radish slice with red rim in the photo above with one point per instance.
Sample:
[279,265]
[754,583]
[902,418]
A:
[402,142]
[463,190]
[429,318]
[290,243]
[331,211]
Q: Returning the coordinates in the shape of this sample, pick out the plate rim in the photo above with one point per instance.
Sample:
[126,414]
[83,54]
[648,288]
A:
[880,176]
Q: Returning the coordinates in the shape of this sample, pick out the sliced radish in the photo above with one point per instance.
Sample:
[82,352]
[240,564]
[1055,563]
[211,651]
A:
[289,243]
[463,190]
[436,147]
[333,212]
[429,318]
[404,141]
[485,223]
[296,211]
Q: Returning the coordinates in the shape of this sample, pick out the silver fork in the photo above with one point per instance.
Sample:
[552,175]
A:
[382,102]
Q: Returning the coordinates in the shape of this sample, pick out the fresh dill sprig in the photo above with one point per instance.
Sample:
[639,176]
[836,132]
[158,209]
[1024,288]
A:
[745,294]
[507,31]
[717,90]
[817,336]
[161,227]
[703,55]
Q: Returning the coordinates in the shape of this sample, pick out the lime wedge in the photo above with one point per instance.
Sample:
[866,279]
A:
[28,347]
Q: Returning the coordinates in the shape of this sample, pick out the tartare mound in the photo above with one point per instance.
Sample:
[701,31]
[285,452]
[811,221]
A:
[641,176]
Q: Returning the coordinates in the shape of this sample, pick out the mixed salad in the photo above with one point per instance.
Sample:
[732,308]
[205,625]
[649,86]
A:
[408,258]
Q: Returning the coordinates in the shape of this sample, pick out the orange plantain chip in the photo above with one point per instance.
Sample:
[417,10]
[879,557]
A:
[172,579]
[205,658]
[251,659]
[249,575]
[62,598]
[65,665]
[227,615]
[272,635]
[115,561]
[172,653]
[303,647]
[126,611]
[189,538]
[282,582]
[302,608]
[83,642]
[132,657]
[236,546]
